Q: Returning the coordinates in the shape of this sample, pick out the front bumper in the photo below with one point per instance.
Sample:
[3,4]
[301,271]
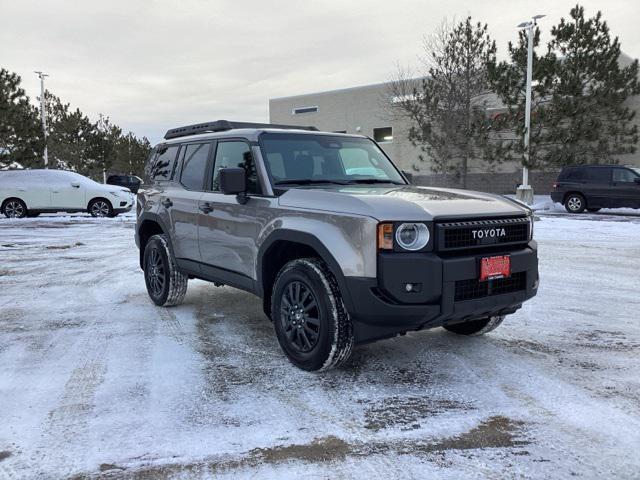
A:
[448,292]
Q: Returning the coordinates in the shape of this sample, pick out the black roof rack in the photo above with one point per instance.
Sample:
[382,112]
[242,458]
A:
[224,125]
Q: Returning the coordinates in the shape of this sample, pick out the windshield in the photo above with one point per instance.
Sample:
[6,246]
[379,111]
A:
[296,159]
[637,170]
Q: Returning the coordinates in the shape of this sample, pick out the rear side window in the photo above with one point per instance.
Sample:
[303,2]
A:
[623,175]
[598,175]
[194,165]
[163,165]
[572,175]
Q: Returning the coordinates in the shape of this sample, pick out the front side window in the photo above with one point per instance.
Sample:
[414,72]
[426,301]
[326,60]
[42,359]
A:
[194,165]
[235,154]
[623,175]
[305,159]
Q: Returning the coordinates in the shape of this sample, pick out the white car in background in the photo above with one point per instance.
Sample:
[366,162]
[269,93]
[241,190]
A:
[28,193]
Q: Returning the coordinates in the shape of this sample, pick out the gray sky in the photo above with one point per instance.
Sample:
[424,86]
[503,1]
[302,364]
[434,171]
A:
[153,65]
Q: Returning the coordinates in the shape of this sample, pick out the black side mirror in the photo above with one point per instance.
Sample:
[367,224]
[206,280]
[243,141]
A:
[233,181]
[637,179]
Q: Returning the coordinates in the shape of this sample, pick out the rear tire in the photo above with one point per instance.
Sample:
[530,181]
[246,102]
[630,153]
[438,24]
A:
[14,208]
[310,320]
[476,327]
[575,203]
[166,285]
[99,207]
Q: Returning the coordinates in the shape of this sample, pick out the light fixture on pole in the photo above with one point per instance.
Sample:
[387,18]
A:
[525,192]
[43,115]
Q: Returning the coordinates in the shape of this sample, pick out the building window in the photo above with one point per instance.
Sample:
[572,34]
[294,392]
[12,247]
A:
[383,134]
[299,110]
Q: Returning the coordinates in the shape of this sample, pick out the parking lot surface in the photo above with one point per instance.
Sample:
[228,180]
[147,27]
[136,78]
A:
[96,381]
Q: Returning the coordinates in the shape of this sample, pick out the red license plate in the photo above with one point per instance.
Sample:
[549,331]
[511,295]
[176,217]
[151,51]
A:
[495,267]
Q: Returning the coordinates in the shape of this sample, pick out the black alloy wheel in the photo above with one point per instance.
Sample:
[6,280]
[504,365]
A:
[300,316]
[155,273]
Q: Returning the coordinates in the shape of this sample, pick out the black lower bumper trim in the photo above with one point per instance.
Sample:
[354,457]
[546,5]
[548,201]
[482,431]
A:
[378,313]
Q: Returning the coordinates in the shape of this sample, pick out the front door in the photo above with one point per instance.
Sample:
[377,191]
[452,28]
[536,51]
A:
[68,193]
[227,230]
[625,189]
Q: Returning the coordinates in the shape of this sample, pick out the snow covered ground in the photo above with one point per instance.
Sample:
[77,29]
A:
[95,381]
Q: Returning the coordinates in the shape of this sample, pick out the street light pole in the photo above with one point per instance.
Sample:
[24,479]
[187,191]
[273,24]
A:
[525,191]
[43,115]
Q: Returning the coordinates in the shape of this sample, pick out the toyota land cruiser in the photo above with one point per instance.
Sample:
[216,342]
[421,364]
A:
[331,236]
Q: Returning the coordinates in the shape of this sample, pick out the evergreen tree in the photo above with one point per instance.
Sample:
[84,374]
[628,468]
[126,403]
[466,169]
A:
[590,121]
[69,136]
[447,107]
[21,135]
[579,91]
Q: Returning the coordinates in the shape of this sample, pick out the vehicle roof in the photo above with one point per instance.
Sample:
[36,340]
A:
[598,166]
[251,134]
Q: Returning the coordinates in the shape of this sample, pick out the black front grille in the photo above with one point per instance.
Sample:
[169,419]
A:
[482,233]
[474,288]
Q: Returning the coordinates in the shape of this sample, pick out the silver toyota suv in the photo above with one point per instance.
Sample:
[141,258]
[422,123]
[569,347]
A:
[331,236]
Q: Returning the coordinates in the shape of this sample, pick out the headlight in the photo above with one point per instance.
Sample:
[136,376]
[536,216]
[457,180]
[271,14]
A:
[412,236]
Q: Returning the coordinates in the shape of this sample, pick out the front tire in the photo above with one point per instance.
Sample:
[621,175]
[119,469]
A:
[309,316]
[476,327]
[166,285]
[575,203]
[14,208]
[99,207]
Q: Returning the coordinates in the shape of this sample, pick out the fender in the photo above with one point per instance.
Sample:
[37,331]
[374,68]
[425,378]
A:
[152,217]
[310,241]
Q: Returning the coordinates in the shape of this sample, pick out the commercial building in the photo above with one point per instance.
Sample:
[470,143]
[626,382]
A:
[365,110]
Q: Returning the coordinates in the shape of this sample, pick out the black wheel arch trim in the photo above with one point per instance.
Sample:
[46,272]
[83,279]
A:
[311,241]
[155,218]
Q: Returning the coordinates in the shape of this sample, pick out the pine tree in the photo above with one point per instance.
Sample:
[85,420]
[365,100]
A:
[590,121]
[447,107]
[20,128]
[69,136]
[579,91]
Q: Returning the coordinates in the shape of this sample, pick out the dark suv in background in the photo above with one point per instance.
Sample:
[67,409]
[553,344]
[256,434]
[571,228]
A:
[129,181]
[592,187]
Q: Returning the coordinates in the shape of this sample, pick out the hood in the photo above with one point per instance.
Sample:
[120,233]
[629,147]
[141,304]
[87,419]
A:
[407,202]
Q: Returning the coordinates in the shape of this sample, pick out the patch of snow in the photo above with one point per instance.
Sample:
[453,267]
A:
[96,380]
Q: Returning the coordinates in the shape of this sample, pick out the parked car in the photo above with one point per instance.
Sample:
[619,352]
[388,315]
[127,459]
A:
[128,181]
[28,193]
[592,187]
[338,256]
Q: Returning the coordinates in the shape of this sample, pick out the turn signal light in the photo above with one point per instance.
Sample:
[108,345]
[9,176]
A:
[385,236]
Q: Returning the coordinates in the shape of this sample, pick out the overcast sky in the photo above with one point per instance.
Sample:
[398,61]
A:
[153,65]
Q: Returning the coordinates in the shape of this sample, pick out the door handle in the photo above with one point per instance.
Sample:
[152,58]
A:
[167,203]
[206,207]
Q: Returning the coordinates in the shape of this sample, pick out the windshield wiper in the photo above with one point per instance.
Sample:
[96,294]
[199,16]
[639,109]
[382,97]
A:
[373,180]
[309,181]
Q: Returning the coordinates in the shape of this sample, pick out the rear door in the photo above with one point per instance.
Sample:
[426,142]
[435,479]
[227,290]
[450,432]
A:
[181,197]
[624,188]
[597,188]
